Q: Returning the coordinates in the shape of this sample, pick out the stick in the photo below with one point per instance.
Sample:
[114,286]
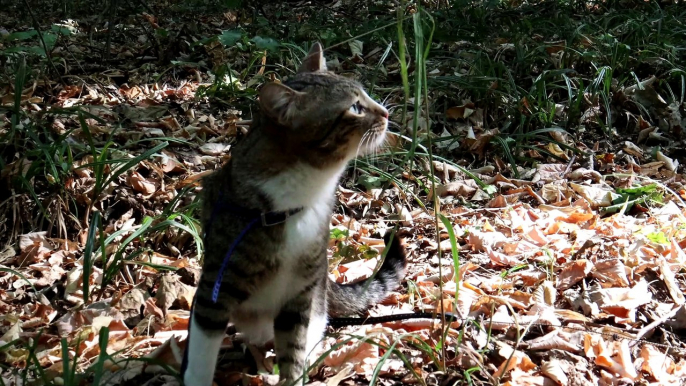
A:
[45,46]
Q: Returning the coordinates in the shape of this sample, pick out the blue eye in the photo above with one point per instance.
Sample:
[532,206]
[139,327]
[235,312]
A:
[357,108]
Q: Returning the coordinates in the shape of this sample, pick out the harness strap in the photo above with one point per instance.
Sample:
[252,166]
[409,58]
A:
[225,262]
[257,218]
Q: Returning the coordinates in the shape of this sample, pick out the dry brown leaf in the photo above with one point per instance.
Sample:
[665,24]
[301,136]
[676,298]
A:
[572,273]
[555,340]
[141,184]
[615,356]
[356,270]
[171,291]
[554,370]
[677,254]
[670,282]
[555,149]
[622,302]
[502,201]
[151,308]
[597,196]
[498,258]
[549,172]
[132,302]
[214,149]
[578,216]
[661,366]
[526,378]
[514,359]
[612,272]
[460,112]
[72,321]
[546,293]
[364,356]
[12,333]
[170,165]
[501,320]
[459,189]
[480,241]
[343,373]
[571,316]
[492,283]
[536,236]
[465,300]
[585,174]
[531,277]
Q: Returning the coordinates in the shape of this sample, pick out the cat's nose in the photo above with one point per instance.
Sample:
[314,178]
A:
[384,112]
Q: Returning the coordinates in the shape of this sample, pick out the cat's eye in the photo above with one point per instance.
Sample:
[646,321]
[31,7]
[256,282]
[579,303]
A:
[357,108]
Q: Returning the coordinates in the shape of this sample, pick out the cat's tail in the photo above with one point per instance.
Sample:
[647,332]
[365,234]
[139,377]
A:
[355,298]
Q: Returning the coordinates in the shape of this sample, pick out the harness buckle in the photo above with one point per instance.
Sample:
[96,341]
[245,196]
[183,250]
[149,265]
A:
[281,217]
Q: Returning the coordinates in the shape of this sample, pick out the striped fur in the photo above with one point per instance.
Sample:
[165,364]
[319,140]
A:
[275,285]
[353,299]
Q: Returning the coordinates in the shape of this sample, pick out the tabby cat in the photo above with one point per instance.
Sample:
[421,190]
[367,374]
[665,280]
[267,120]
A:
[266,216]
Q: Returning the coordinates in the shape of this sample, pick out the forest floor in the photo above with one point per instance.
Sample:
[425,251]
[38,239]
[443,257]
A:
[535,173]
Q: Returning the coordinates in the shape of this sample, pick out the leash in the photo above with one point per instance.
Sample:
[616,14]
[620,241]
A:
[451,318]
[342,322]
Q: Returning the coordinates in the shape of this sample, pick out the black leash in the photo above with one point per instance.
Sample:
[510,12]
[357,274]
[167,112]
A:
[450,318]
[342,322]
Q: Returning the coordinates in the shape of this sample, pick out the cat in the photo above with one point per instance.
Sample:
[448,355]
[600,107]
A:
[269,209]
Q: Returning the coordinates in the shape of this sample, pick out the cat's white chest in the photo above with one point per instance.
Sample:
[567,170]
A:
[313,190]
[304,231]
[303,234]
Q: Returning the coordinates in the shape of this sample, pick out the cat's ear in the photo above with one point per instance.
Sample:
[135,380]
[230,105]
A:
[314,61]
[279,102]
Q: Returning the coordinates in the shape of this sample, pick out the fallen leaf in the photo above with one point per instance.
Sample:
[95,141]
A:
[572,273]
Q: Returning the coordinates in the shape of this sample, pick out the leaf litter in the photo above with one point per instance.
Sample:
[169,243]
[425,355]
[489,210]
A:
[565,274]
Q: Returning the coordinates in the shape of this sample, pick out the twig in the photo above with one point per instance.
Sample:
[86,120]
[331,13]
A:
[45,46]
[110,21]
[569,166]
[645,330]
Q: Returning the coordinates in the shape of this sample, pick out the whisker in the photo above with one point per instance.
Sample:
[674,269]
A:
[357,152]
[370,147]
[367,142]
[392,107]
[377,152]
[374,149]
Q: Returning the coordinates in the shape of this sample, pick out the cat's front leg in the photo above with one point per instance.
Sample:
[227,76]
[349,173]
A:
[292,328]
[205,335]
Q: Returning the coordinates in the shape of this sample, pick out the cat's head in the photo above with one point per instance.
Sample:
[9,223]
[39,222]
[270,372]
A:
[323,116]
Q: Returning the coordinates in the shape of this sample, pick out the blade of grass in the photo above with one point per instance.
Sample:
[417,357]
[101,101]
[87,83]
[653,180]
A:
[402,60]
[98,368]
[65,362]
[135,161]
[455,252]
[19,80]
[13,272]
[88,253]
[111,268]
[33,358]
